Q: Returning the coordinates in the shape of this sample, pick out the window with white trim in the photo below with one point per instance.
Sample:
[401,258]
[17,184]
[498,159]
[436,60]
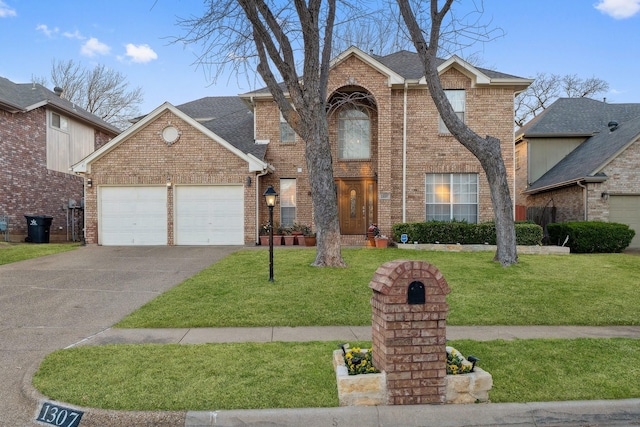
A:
[59,122]
[287,202]
[452,197]
[287,134]
[354,134]
[457,99]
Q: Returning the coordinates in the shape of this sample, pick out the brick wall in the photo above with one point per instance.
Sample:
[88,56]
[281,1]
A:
[489,111]
[145,159]
[27,186]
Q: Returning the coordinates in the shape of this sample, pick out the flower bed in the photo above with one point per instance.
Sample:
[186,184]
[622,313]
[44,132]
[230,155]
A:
[361,384]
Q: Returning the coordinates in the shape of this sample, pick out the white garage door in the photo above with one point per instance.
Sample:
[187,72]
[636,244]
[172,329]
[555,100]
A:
[132,216]
[626,210]
[209,215]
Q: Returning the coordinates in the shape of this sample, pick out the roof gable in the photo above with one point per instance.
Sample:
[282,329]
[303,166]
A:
[404,66]
[24,97]
[588,160]
[254,163]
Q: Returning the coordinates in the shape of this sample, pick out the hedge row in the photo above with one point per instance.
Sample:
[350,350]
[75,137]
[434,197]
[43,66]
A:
[463,233]
[591,236]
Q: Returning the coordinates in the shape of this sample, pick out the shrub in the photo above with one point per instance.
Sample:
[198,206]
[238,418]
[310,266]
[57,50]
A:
[591,236]
[464,233]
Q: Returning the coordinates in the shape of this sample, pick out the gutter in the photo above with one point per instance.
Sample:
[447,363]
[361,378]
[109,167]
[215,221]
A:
[587,179]
[404,153]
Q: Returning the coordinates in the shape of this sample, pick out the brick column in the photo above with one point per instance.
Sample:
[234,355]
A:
[409,313]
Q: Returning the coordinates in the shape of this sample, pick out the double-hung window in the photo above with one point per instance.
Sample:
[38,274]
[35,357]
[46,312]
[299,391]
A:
[452,197]
[354,134]
[457,99]
[287,134]
[287,202]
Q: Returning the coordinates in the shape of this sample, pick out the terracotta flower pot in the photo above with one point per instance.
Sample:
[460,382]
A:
[382,243]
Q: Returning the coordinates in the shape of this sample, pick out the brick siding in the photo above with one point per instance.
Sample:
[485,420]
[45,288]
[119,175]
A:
[489,111]
[144,158]
[27,186]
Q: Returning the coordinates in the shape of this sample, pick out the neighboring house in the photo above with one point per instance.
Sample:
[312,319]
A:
[195,174]
[41,136]
[578,161]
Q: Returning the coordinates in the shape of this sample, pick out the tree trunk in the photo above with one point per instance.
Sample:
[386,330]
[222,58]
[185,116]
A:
[323,189]
[486,150]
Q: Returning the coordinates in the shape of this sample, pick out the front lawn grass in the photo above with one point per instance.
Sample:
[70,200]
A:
[14,252]
[588,289]
[298,375]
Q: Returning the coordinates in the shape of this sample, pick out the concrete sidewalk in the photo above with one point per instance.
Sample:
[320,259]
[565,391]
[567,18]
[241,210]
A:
[344,334]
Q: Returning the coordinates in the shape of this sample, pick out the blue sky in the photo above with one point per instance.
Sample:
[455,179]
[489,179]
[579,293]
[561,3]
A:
[598,38]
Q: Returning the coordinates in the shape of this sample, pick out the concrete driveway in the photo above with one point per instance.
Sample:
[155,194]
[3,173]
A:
[52,302]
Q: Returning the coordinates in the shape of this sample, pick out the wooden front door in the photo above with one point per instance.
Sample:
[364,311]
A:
[356,204]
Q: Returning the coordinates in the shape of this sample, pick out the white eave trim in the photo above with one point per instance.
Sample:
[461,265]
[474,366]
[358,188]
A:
[478,77]
[393,78]
[84,165]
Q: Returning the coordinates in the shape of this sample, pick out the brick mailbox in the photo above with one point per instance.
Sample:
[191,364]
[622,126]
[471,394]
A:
[409,312]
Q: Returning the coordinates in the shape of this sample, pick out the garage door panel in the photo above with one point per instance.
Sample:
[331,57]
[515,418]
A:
[626,210]
[133,216]
[210,215]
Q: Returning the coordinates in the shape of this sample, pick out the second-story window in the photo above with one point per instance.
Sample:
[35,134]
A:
[457,99]
[59,122]
[354,134]
[287,134]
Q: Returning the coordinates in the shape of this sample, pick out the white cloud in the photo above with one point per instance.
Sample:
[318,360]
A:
[49,32]
[141,53]
[75,35]
[93,47]
[6,11]
[619,9]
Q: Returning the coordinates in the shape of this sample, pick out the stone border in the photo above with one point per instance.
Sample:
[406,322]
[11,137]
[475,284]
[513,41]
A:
[522,250]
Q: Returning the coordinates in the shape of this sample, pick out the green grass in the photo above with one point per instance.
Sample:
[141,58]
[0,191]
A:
[12,252]
[589,289]
[289,375]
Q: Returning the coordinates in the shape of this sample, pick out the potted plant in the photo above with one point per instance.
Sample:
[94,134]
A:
[264,234]
[382,241]
[372,232]
[301,232]
[278,232]
[309,237]
[289,238]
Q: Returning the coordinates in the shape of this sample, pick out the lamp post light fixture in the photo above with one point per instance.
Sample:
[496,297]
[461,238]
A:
[270,198]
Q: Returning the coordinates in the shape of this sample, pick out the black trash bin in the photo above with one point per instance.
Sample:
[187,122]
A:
[38,228]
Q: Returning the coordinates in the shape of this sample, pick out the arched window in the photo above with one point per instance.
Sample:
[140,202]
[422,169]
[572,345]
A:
[354,134]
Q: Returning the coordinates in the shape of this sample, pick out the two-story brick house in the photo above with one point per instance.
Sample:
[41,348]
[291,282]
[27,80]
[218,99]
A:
[393,159]
[41,136]
[578,161]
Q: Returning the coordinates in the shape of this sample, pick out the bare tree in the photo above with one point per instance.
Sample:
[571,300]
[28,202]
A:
[546,88]
[271,33]
[99,90]
[426,39]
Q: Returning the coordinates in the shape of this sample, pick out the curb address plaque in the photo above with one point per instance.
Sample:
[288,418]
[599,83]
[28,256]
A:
[56,415]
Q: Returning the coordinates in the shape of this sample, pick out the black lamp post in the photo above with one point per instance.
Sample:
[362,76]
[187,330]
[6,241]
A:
[270,198]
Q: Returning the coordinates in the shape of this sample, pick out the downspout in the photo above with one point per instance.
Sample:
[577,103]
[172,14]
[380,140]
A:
[404,154]
[585,197]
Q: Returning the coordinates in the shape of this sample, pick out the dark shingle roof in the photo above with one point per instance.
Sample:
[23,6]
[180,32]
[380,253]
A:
[16,97]
[228,117]
[408,65]
[586,160]
[577,116]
